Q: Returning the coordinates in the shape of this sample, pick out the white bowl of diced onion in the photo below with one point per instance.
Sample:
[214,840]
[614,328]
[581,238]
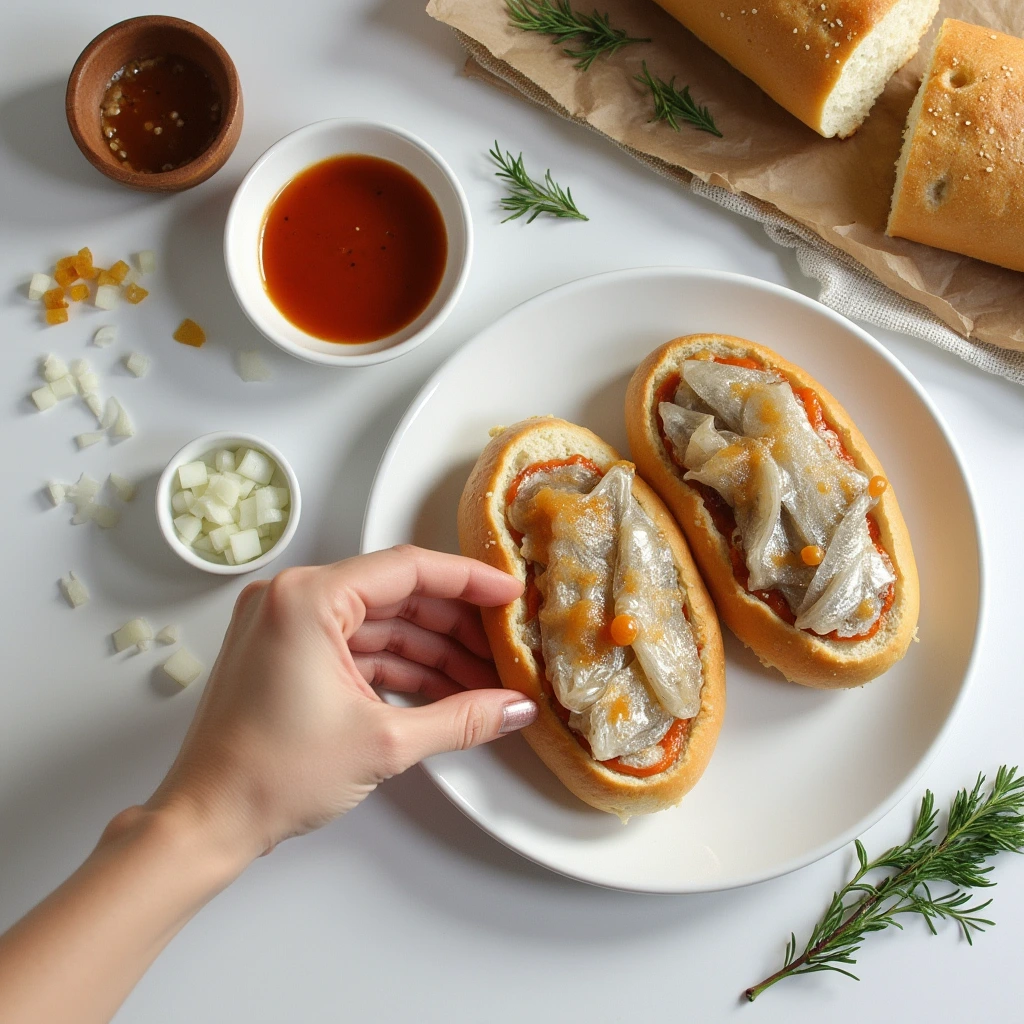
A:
[228,503]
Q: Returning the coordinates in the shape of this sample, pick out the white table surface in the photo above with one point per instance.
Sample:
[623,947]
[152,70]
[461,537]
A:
[403,910]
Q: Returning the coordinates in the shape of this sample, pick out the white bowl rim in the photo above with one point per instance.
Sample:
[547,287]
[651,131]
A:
[341,358]
[198,447]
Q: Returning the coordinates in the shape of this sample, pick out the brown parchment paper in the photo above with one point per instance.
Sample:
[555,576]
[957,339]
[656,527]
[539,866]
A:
[840,189]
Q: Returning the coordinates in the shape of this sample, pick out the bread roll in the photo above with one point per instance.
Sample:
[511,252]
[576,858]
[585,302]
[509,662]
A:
[484,534]
[799,654]
[826,63]
[960,177]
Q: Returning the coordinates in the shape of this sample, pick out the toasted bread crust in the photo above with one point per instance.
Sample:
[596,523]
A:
[802,657]
[483,534]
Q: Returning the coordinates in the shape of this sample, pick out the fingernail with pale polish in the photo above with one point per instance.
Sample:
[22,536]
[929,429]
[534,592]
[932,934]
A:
[518,714]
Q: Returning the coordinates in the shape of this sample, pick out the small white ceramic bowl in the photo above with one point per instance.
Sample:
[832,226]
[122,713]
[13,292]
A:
[196,450]
[293,154]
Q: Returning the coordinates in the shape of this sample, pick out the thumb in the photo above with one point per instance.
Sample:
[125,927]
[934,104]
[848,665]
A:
[459,722]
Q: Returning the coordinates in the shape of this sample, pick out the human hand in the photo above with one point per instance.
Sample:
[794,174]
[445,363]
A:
[290,732]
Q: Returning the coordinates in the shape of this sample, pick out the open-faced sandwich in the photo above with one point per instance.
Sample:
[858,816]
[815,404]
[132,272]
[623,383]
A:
[615,636]
[788,512]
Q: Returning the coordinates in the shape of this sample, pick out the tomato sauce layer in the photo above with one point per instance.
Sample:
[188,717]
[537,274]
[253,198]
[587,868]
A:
[674,740]
[725,521]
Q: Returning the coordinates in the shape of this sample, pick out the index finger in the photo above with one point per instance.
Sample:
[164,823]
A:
[390,576]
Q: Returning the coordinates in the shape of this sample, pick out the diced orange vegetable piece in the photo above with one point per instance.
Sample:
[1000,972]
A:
[104,276]
[79,292]
[65,272]
[119,271]
[84,264]
[56,316]
[190,333]
[54,299]
[134,294]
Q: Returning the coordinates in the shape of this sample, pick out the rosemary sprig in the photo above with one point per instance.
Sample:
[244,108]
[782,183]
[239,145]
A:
[592,32]
[528,196]
[978,827]
[674,105]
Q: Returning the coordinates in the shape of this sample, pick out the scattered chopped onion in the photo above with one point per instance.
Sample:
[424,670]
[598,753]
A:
[132,634]
[88,383]
[107,296]
[95,404]
[57,492]
[54,368]
[80,367]
[169,635]
[105,336]
[39,285]
[88,438]
[252,368]
[64,387]
[136,363]
[183,667]
[147,261]
[84,489]
[44,398]
[122,425]
[125,488]
[74,590]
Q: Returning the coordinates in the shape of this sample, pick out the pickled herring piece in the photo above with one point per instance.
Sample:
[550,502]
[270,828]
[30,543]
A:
[55,299]
[574,536]
[625,719]
[134,294]
[646,588]
[725,387]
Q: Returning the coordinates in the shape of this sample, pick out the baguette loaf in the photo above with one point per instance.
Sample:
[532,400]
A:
[826,63]
[960,177]
[800,655]
[484,534]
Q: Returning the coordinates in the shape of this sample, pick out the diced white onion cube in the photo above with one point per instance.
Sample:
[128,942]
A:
[131,634]
[95,404]
[64,387]
[44,398]
[54,368]
[57,492]
[39,284]
[192,474]
[247,514]
[105,516]
[147,261]
[83,512]
[89,438]
[178,502]
[107,296]
[122,425]
[105,336]
[225,461]
[80,366]
[245,487]
[169,635]
[221,537]
[75,592]
[183,667]
[228,557]
[214,510]
[223,490]
[256,466]
[252,368]
[266,516]
[245,546]
[136,363]
[85,488]
[125,488]
[203,544]
[88,383]
[188,527]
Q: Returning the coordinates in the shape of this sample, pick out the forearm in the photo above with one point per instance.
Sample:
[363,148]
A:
[78,954]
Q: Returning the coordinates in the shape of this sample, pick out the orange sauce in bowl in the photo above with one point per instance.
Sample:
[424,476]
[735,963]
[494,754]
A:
[353,249]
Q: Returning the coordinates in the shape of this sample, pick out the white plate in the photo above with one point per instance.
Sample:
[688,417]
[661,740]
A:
[797,772]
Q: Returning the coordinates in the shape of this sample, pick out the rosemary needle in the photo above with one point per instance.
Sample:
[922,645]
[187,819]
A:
[592,32]
[526,196]
[674,105]
[978,827]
